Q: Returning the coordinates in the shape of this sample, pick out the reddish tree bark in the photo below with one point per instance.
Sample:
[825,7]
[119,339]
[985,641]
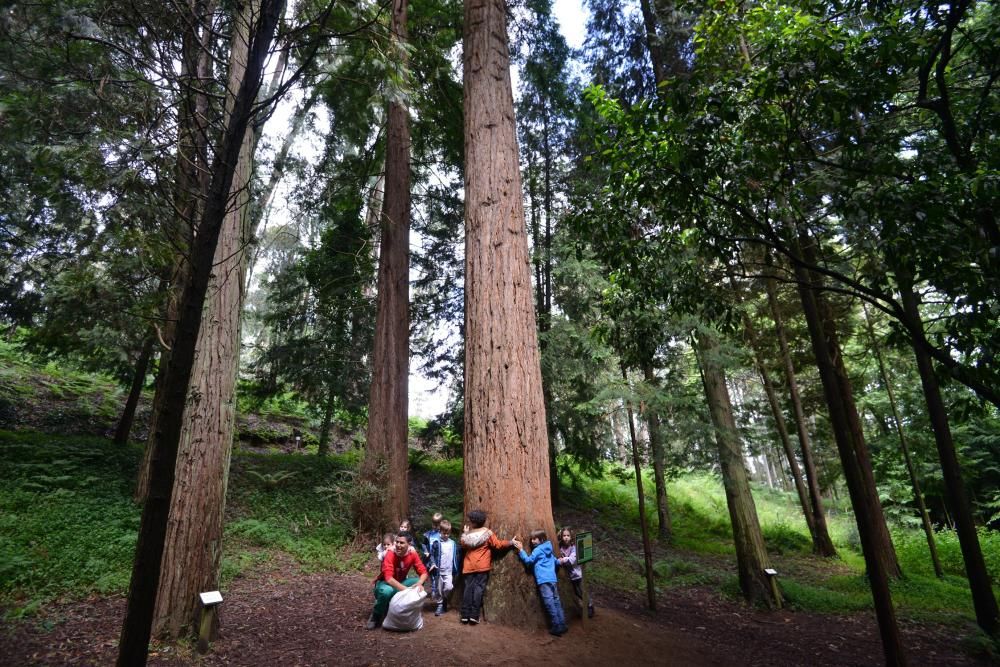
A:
[386,455]
[134,642]
[506,442]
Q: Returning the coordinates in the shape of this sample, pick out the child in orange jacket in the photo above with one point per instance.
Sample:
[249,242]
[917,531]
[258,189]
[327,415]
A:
[478,544]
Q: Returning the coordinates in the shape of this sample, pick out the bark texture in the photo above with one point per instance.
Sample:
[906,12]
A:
[506,442]
[149,556]
[751,554]
[385,463]
[880,558]
[193,550]
[191,181]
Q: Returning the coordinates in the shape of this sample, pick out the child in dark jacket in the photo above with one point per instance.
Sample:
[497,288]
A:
[477,545]
[445,558]
[544,562]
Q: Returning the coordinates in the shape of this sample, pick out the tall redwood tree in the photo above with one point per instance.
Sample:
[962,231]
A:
[506,444]
[385,460]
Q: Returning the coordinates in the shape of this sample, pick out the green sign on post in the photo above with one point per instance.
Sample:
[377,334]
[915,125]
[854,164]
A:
[584,548]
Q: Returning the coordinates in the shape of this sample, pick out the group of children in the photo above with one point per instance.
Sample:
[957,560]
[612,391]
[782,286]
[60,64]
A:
[440,559]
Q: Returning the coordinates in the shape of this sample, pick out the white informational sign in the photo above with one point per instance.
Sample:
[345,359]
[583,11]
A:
[210,598]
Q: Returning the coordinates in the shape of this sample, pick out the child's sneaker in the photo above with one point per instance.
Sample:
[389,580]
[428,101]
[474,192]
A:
[474,621]
[440,609]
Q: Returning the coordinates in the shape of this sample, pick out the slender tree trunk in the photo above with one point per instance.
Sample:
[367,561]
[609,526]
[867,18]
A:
[983,599]
[879,555]
[506,440]
[150,552]
[664,528]
[385,462]
[124,427]
[822,543]
[647,551]
[193,550]
[324,433]
[280,165]
[751,554]
[917,493]
[786,444]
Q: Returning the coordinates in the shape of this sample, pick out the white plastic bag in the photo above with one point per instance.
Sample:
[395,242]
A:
[404,610]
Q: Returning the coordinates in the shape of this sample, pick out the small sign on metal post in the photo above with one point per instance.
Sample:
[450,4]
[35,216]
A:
[208,623]
[584,554]
[584,548]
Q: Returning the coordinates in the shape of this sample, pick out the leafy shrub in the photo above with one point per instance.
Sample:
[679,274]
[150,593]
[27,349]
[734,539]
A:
[782,538]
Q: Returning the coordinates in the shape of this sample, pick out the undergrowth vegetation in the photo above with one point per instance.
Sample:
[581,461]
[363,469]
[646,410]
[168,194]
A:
[68,523]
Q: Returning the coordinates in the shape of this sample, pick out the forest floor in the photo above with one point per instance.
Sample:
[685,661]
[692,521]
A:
[282,616]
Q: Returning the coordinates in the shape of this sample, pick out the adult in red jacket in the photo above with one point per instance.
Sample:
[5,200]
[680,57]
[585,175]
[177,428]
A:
[392,579]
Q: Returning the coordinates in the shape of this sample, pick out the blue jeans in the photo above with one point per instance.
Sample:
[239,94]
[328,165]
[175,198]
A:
[553,608]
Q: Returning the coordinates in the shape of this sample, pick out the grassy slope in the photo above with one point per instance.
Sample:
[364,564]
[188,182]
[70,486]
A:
[68,524]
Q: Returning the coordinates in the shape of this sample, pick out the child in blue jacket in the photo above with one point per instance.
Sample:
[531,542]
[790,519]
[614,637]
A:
[445,558]
[544,562]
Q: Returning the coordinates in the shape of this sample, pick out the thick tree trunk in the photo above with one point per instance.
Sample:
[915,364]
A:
[905,448]
[822,542]
[506,441]
[983,599]
[124,427]
[647,551]
[875,543]
[385,462]
[150,551]
[664,528]
[193,551]
[751,554]
[191,181]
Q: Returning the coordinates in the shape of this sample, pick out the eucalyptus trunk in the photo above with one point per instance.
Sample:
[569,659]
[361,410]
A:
[983,599]
[880,558]
[779,424]
[647,551]
[822,543]
[505,438]
[751,553]
[918,494]
[386,454]
[124,427]
[664,528]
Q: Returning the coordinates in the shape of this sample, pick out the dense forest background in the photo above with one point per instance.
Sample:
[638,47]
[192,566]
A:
[763,245]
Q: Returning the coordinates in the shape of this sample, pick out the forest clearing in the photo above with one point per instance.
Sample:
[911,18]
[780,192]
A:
[320,317]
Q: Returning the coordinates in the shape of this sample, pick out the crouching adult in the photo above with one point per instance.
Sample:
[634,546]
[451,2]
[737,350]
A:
[392,579]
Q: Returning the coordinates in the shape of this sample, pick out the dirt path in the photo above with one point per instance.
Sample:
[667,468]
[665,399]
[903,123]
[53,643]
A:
[284,618]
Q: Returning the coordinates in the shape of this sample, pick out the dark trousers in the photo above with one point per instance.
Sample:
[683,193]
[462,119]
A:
[472,598]
[553,607]
[578,589]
